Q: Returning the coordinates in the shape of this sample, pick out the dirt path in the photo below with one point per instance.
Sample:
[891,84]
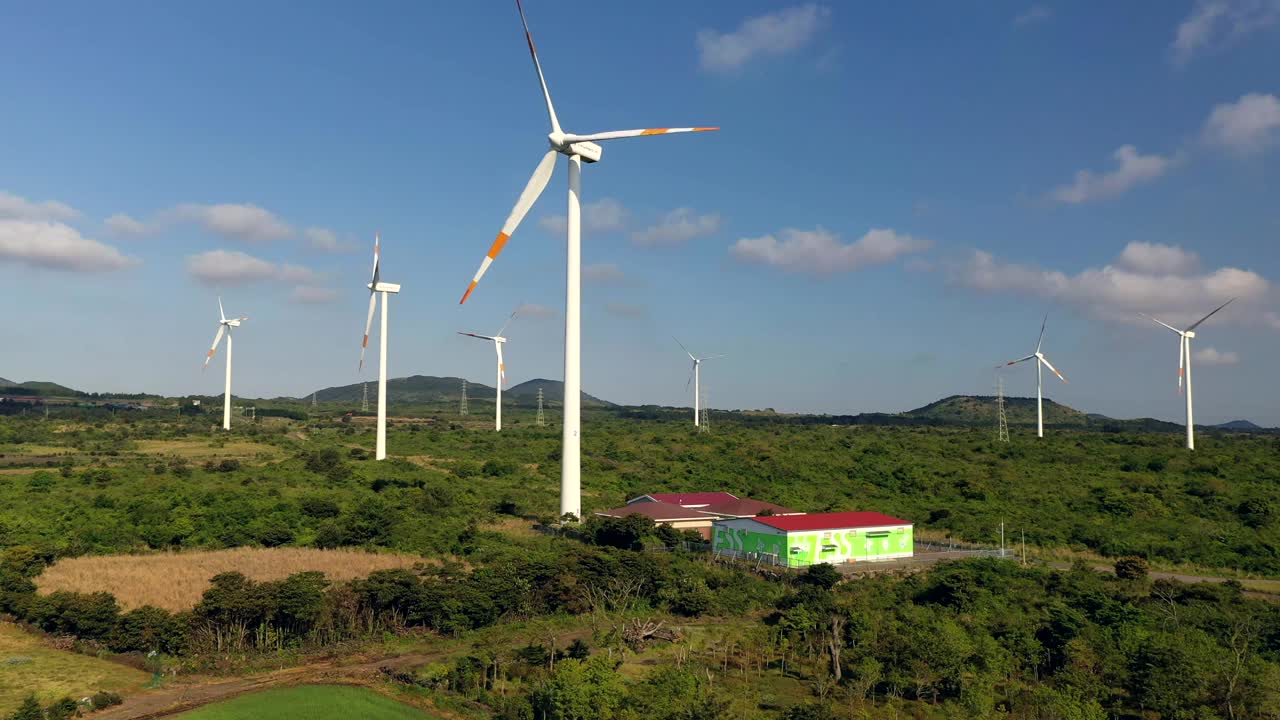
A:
[195,691]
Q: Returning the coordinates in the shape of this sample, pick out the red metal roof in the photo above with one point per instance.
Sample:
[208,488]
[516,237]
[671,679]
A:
[744,507]
[658,511]
[829,521]
[688,499]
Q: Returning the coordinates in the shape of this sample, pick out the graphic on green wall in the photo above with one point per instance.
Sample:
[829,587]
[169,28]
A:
[808,548]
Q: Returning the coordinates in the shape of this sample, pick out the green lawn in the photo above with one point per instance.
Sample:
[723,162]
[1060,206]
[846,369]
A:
[28,664]
[309,702]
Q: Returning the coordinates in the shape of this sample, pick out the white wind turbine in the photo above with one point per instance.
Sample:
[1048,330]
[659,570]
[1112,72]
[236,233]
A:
[1041,363]
[376,288]
[224,326]
[695,376]
[577,148]
[1184,360]
[498,341]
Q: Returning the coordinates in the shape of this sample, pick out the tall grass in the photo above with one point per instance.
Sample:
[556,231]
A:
[175,581]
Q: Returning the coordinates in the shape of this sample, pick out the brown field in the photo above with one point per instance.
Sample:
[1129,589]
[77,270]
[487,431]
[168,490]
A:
[203,450]
[175,581]
[30,664]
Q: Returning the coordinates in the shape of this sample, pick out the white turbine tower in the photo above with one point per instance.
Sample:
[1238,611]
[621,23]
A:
[577,148]
[376,288]
[498,341]
[1184,360]
[1041,363]
[695,377]
[224,326]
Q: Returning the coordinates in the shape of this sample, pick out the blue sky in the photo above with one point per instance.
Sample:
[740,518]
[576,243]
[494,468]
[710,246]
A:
[898,194]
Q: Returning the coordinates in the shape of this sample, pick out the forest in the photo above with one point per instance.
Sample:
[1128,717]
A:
[659,631]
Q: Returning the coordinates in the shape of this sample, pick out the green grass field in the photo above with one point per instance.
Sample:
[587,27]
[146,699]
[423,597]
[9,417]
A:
[28,665]
[309,702]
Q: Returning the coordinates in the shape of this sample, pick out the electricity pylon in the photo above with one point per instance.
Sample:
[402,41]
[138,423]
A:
[1002,423]
[462,410]
[541,420]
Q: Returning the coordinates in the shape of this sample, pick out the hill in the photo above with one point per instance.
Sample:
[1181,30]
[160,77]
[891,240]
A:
[429,389]
[1240,425]
[981,410]
[35,387]
[4,382]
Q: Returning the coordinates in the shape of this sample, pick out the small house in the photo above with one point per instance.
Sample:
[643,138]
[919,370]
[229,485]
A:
[802,540]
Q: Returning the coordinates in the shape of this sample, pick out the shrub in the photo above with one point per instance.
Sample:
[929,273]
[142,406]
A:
[1131,567]
[104,699]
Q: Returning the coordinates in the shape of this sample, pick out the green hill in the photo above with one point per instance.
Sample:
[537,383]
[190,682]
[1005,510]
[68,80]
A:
[552,393]
[35,387]
[981,409]
[429,389]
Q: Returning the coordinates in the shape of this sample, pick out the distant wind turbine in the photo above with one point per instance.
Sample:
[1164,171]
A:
[376,288]
[498,341]
[224,326]
[578,148]
[1041,360]
[1184,360]
[695,376]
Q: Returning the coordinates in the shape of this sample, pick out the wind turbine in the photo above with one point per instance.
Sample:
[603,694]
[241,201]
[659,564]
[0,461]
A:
[1184,360]
[1041,363]
[224,326]
[578,148]
[376,288]
[498,341]
[695,376]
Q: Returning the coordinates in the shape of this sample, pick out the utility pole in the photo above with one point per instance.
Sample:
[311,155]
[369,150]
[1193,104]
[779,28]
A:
[1002,422]
[364,404]
[1002,538]
[313,400]
[1024,546]
[541,420]
[462,410]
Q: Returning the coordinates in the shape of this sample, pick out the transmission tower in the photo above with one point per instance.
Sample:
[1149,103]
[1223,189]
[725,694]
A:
[364,404]
[704,421]
[463,409]
[313,399]
[1002,423]
[542,419]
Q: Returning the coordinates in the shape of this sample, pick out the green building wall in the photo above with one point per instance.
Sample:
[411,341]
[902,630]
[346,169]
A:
[799,549]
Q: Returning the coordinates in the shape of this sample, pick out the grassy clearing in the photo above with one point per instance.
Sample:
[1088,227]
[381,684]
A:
[309,702]
[28,664]
[175,581]
[204,450]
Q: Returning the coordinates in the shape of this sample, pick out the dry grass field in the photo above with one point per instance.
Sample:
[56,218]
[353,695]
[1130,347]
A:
[28,663]
[204,450]
[175,581]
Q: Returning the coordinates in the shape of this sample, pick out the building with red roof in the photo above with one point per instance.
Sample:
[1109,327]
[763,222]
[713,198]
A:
[745,507]
[694,511]
[808,539]
[664,513]
[689,500]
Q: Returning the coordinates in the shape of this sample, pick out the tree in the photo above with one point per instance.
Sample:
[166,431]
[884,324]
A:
[823,575]
[29,710]
[1131,567]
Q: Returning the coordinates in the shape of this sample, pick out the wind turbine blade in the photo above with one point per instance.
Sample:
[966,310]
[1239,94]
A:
[474,335]
[1206,317]
[1162,323]
[712,357]
[502,369]
[689,382]
[368,323]
[508,322]
[1040,339]
[615,134]
[376,243]
[216,339]
[1015,362]
[222,316]
[546,94]
[541,175]
[1182,356]
[685,349]
[1053,369]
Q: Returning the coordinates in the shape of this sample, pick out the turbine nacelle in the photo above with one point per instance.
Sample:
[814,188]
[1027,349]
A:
[1188,334]
[383,287]
[588,151]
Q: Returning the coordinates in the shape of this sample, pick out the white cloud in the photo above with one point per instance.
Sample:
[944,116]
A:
[122,225]
[1119,292]
[775,33]
[820,252]
[626,310]
[325,240]
[604,215]
[1214,24]
[534,310]
[313,294]
[679,225]
[1158,259]
[1033,16]
[1248,126]
[1133,169]
[1211,356]
[604,274]
[55,246]
[232,267]
[13,207]
[244,222]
